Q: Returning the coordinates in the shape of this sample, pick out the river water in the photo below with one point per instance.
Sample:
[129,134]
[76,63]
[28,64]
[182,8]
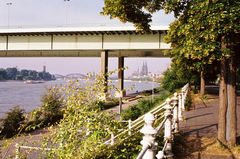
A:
[28,96]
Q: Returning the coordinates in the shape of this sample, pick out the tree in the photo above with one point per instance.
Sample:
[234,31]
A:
[205,30]
[3,74]
[11,73]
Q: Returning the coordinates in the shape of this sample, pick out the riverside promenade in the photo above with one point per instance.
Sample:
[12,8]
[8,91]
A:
[199,130]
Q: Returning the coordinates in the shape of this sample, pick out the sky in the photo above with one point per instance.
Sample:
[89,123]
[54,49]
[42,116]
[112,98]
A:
[60,13]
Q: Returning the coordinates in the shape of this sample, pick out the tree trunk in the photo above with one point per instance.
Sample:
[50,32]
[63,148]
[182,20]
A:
[222,102]
[202,84]
[232,102]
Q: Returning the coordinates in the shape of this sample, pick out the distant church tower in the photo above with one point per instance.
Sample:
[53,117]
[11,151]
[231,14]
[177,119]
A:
[144,71]
[44,68]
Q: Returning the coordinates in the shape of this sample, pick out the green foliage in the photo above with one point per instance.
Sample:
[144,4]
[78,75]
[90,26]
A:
[11,123]
[48,113]
[3,74]
[139,12]
[143,106]
[177,76]
[84,127]
[109,103]
[133,112]
[15,74]
[124,149]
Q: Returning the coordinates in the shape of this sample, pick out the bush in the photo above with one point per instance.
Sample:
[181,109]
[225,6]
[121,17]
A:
[11,123]
[84,127]
[103,105]
[143,106]
[177,76]
[49,113]
[133,112]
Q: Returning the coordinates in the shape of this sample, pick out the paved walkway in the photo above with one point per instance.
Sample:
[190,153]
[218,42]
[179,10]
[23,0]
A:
[200,128]
[202,119]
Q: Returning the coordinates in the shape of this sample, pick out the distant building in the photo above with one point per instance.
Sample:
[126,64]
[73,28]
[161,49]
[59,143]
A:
[144,75]
[136,73]
[144,71]
[44,68]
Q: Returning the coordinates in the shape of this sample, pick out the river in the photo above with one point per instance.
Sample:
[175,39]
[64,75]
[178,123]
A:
[28,96]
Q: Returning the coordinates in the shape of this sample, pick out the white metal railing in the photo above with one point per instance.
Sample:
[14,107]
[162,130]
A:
[19,147]
[134,126]
[174,108]
[169,113]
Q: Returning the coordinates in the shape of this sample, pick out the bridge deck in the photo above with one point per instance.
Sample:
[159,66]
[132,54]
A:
[83,42]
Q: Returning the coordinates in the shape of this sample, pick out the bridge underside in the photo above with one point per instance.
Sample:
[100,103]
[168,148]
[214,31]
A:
[84,42]
[82,53]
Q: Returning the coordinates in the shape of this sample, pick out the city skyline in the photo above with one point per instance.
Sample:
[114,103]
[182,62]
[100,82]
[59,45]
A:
[68,65]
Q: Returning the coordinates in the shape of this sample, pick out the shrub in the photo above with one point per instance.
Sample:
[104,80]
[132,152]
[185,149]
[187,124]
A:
[11,123]
[52,104]
[133,112]
[177,76]
[84,127]
[48,113]
[103,105]
[143,106]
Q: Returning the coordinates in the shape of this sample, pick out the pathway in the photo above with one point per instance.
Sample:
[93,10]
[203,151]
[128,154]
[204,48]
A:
[200,130]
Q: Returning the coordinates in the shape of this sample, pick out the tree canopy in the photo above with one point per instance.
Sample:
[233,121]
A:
[204,31]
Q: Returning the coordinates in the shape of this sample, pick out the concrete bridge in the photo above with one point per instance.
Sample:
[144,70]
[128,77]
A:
[101,42]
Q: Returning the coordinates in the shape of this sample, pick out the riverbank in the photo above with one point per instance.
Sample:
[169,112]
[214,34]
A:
[28,96]
[35,138]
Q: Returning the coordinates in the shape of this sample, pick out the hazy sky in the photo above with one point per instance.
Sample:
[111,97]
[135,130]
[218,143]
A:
[60,13]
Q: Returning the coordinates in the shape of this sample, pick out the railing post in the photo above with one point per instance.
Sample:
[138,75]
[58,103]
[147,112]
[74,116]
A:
[183,99]
[112,139]
[160,155]
[129,127]
[175,112]
[180,110]
[168,129]
[149,136]
[17,151]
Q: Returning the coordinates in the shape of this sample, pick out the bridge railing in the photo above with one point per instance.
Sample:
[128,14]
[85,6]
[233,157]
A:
[170,124]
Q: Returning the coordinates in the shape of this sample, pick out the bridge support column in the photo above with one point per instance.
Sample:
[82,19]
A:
[104,68]
[121,74]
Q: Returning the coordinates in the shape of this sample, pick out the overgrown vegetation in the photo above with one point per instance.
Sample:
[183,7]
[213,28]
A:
[11,123]
[50,112]
[143,106]
[177,76]
[109,103]
[84,127]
